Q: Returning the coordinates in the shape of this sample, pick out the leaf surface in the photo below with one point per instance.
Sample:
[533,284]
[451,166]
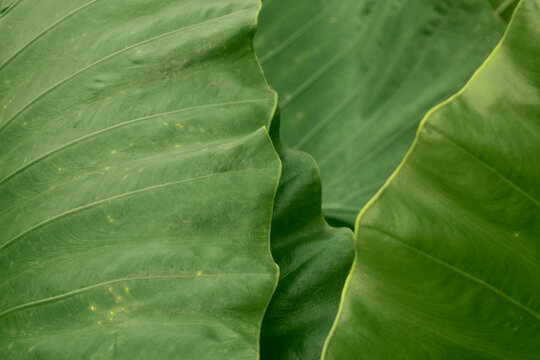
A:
[447,253]
[136,180]
[356,77]
[504,8]
[314,260]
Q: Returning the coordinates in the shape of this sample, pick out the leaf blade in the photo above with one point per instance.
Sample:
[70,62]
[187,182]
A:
[457,254]
[355,79]
[137,181]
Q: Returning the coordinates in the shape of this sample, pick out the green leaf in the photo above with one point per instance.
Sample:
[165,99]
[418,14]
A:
[314,260]
[355,77]
[136,181]
[504,8]
[448,252]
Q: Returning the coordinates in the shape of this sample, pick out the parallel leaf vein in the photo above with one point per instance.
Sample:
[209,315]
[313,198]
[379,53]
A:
[47,29]
[108,57]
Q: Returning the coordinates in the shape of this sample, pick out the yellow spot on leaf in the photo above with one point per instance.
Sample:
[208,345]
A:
[24,123]
[5,106]
[113,152]
[100,322]
[59,169]
[180,126]
[127,289]
[165,124]
[110,289]
[25,159]
[92,307]
[111,312]
[199,273]
[9,101]
[139,51]
[176,146]
[110,319]
[31,348]
[119,298]
[125,176]
[107,168]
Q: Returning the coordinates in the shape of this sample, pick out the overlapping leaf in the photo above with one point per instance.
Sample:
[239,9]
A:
[137,185]
[314,260]
[448,251]
[504,8]
[355,77]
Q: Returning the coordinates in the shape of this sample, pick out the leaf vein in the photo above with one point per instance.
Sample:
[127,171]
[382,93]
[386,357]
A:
[115,281]
[460,272]
[487,166]
[112,198]
[108,57]
[114,127]
[47,29]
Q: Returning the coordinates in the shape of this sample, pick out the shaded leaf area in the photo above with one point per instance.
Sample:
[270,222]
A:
[355,77]
[314,260]
[504,8]
[448,252]
[136,181]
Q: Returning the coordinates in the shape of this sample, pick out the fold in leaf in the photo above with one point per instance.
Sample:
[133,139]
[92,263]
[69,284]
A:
[314,260]
[136,180]
[448,252]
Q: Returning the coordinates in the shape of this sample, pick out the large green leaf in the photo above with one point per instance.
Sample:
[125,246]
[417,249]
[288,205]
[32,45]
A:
[448,252]
[136,181]
[356,76]
[314,260]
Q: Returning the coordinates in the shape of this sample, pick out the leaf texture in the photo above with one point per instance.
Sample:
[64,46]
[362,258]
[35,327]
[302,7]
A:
[356,77]
[447,254]
[136,180]
[314,260]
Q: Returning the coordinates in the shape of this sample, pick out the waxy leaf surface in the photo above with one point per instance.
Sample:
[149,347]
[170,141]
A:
[448,253]
[136,180]
[355,77]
